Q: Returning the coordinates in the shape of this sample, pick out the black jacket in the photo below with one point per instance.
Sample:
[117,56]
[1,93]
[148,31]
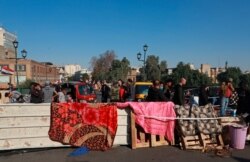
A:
[179,98]
[155,94]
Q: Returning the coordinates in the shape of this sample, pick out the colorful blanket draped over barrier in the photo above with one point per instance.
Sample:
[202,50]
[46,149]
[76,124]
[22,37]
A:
[150,116]
[82,124]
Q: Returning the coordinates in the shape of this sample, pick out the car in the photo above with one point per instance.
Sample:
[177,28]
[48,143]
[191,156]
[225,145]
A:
[80,91]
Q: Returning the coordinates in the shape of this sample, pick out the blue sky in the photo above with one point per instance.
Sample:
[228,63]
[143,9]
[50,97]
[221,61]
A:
[73,31]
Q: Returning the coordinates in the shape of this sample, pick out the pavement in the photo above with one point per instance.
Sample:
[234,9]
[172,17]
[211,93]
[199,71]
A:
[122,154]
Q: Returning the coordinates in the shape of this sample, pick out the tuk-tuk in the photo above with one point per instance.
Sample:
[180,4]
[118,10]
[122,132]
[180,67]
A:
[80,91]
[141,90]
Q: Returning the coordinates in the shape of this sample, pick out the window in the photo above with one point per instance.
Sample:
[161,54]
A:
[21,67]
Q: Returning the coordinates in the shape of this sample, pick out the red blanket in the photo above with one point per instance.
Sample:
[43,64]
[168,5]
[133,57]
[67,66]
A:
[81,124]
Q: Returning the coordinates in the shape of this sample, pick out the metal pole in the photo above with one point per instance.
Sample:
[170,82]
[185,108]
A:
[46,71]
[17,79]
[144,67]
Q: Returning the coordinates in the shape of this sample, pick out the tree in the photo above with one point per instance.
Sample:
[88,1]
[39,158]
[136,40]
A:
[26,83]
[194,77]
[119,69]
[153,70]
[245,79]
[231,72]
[85,76]
[102,65]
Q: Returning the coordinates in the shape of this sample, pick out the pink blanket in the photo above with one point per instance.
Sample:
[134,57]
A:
[157,118]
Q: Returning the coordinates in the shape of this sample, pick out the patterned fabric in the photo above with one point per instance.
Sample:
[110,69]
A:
[233,100]
[210,126]
[82,124]
[186,127]
[193,127]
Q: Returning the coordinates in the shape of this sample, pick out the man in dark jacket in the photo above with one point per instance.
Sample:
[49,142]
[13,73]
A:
[36,93]
[105,92]
[155,93]
[130,91]
[179,97]
[203,95]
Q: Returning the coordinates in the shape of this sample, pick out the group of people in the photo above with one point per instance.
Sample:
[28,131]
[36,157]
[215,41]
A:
[39,94]
[238,98]
[119,91]
[167,92]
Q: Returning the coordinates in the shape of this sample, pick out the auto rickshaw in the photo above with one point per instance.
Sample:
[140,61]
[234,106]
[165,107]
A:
[141,90]
[79,91]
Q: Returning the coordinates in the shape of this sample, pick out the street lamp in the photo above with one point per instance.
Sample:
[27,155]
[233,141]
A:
[46,65]
[145,48]
[24,55]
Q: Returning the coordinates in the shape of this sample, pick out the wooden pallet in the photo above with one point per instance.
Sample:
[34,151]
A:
[157,140]
[201,141]
[208,140]
[141,139]
[191,142]
[138,137]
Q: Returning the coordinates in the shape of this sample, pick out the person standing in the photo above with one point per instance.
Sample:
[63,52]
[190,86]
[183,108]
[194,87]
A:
[36,93]
[243,101]
[97,91]
[130,91]
[122,89]
[62,95]
[105,92]
[155,93]
[168,90]
[48,92]
[226,92]
[115,92]
[179,97]
[203,95]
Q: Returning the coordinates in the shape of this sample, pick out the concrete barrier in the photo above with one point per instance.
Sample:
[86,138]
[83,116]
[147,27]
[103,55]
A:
[26,125]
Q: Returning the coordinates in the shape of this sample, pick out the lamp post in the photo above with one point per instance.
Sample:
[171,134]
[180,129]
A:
[24,54]
[145,48]
[46,66]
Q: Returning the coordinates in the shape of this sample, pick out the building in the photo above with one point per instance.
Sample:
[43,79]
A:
[71,69]
[206,69]
[7,49]
[27,70]
[214,71]
[211,72]
[79,74]
[133,73]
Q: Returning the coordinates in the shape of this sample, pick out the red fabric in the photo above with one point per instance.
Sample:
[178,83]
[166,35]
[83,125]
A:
[82,124]
[121,93]
[228,92]
[157,118]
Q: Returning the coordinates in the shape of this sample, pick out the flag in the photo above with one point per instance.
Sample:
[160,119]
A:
[7,70]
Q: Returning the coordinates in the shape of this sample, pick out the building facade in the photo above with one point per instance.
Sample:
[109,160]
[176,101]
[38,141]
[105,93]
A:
[27,70]
[7,49]
[71,69]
